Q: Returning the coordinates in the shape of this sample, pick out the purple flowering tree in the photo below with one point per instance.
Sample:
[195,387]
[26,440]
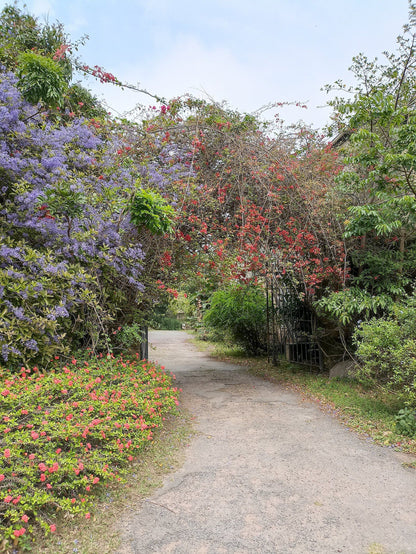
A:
[71,260]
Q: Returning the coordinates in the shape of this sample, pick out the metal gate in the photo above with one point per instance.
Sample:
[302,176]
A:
[291,326]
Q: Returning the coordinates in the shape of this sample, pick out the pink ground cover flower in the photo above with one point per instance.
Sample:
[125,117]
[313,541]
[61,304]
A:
[98,402]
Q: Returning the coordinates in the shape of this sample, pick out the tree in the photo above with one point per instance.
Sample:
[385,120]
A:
[378,182]
[253,197]
[41,79]
[71,255]
[42,55]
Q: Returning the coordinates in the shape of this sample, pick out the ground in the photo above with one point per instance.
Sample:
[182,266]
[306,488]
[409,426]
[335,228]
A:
[266,472]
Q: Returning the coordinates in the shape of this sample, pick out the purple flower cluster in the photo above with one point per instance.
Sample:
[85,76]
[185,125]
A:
[66,241]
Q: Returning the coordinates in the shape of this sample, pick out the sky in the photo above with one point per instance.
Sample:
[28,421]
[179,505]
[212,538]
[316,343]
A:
[249,53]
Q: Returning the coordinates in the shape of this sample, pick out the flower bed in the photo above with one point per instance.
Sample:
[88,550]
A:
[66,433]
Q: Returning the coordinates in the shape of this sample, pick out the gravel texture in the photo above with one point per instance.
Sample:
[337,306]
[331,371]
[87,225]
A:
[268,472]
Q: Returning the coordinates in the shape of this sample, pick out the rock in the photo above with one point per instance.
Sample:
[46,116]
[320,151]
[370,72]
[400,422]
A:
[346,368]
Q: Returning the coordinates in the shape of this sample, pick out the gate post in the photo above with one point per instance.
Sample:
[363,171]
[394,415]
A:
[144,343]
[275,359]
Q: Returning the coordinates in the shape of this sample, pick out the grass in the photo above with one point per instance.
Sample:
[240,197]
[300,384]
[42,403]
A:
[221,350]
[370,413]
[103,532]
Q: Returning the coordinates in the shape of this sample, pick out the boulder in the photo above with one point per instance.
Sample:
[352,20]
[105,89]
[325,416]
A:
[346,368]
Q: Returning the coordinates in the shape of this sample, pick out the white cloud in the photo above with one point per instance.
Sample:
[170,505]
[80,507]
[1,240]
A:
[191,67]
[43,9]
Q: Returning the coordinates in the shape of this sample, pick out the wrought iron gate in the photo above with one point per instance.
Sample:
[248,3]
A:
[291,326]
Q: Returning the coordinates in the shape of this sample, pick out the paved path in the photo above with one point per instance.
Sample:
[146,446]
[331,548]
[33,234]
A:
[269,473]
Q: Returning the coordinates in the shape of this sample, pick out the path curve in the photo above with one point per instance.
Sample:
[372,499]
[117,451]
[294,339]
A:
[268,473]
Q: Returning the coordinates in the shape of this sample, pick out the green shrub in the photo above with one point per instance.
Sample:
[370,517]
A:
[128,336]
[241,311]
[386,348]
[406,422]
[41,79]
[167,323]
[150,210]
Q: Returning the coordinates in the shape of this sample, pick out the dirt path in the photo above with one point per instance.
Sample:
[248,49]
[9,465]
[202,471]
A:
[269,473]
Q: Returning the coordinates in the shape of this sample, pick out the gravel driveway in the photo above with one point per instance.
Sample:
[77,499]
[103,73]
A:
[268,472]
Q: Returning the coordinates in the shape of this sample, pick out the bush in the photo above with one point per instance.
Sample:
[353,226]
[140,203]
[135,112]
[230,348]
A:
[406,422]
[386,348]
[241,311]
[66,433]
[128,336]
[167,323]
[37,295]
